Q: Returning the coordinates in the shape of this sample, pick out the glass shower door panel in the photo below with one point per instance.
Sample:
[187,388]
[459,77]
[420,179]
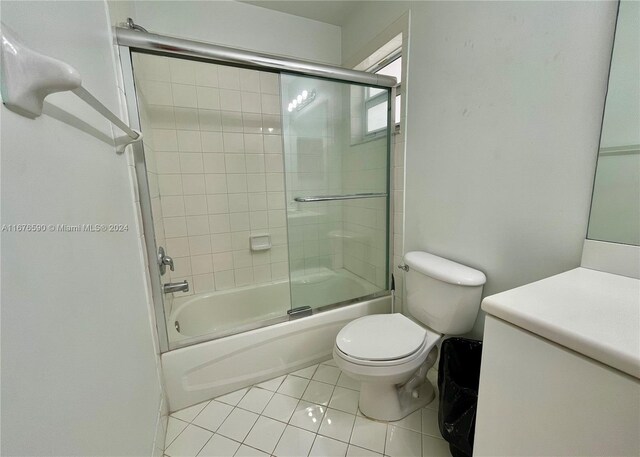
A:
[209,163]
[336,172]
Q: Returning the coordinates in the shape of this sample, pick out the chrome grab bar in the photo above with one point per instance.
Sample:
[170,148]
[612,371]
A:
[326,198]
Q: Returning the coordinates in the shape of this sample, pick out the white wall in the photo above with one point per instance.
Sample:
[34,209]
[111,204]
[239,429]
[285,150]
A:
[504,108]
[79,369]
[240,25]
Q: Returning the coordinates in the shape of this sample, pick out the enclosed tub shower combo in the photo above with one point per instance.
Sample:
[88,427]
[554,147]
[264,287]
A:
[264,191]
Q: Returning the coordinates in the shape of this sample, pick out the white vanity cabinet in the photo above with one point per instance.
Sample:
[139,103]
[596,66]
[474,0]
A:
[561,367]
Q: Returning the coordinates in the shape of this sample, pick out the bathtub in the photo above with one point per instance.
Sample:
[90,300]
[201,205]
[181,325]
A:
[222,313]
[198,372]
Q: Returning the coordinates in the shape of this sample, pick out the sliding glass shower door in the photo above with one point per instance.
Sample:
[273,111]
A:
[267,191]
[336,143]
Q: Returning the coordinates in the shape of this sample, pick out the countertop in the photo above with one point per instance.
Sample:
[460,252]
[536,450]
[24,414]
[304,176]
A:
[593,313]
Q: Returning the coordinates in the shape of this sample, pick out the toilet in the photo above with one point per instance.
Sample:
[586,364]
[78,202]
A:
[390,354]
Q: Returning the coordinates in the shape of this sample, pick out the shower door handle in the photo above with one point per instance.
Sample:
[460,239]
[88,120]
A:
[327,198]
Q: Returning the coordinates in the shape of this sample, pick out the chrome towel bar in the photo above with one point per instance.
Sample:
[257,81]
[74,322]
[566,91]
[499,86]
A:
[327,198]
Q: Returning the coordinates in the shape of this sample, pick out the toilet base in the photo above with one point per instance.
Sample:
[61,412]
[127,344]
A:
[386,402]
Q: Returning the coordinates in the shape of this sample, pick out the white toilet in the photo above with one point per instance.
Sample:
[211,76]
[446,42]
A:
[390,354]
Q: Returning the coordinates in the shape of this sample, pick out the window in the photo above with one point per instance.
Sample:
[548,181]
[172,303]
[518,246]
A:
[375,104]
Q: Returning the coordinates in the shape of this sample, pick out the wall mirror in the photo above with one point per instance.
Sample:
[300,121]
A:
[615,206]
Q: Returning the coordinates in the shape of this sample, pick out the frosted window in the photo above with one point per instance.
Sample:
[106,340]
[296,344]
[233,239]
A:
[377,117]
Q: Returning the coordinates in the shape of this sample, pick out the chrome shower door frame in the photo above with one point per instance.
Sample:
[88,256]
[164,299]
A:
[145,200]
[128,42]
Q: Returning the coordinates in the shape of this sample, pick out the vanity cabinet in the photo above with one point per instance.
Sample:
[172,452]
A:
[561,367]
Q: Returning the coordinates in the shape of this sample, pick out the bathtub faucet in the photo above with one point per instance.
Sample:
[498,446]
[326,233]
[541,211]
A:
[176,287]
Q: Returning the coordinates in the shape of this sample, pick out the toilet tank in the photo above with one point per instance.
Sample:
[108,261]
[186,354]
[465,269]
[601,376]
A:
[442,294]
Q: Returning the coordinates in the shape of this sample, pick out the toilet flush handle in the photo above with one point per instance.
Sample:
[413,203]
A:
[404,267]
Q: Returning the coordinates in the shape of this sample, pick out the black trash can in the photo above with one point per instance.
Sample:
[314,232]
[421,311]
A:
[458,379]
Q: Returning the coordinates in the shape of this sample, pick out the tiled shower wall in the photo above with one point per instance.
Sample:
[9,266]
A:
[216,151]
[364,166]
[313,151]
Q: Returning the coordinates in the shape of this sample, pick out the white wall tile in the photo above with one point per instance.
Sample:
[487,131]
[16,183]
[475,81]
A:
[185,119]
[206,74]
[270,104]
[195,205]
[221,242]
[251,102]
[189,141]
[214,163]
[210,120]
[250,80]
[253,143]
[217,204]
[230,100]
[228,77]
[208,98]
[193,184]
[269,83]
[184,95]
[212,142]
[191,162]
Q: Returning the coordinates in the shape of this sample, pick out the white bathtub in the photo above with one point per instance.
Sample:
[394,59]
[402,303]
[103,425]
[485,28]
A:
[224,312]
[202,371]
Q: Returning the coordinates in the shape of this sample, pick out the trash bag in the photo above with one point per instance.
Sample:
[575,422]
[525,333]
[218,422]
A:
[458,379]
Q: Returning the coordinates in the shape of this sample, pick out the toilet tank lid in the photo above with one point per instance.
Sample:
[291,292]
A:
[443,269]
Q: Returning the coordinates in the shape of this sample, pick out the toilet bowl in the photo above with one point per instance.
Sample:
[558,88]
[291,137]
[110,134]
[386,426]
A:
[390,354]
[404,362]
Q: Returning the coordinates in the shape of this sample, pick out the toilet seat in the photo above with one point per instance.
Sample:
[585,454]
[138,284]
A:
[383,340]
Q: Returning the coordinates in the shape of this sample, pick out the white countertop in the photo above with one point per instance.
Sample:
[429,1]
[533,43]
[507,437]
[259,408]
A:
[594,313]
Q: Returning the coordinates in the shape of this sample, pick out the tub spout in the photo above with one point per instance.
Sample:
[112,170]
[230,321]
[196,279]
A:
[176,287]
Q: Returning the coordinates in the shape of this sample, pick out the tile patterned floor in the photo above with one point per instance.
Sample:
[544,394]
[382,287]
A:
[310,412]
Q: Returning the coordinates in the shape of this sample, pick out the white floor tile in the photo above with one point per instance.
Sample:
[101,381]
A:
[326,373]
[327,447]
[219,446]
[189,442]
[281,407]
[337,424]
[432,376]
[232,398]
[413,421]
[213,415]
[174,428]
[294,442]
[355,451]
[306,372]
[369,434]
[293,386]
[313,411]
[265,434]
[246,451]
[330,362]
[347,382]
[255,400]
[318,393]
[434,447]
[271,384]
[308,416]
[435,404]
[238,424]
[344,400]
[430,423]
[190,413]
[402,442]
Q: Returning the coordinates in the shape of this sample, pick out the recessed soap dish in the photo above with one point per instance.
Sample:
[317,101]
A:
[260,242]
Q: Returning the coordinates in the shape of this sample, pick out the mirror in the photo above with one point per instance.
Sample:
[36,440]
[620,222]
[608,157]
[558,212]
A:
[615,206]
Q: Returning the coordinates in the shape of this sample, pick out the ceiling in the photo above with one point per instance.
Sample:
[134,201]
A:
[331,12]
